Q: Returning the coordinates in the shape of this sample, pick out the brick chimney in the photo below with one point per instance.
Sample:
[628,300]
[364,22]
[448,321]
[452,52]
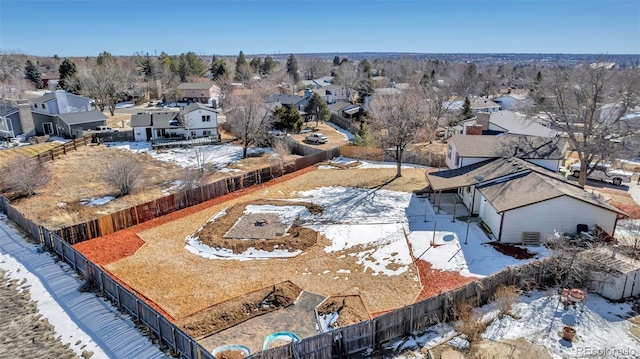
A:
[482,119]
[473,130]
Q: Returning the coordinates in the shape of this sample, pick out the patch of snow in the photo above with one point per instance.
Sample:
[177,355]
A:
[198,248]
[367,164]
[459,342]
[345,271]
[217,156]
[65,328]
[96,201]
[348,135]
[601,329]
[327,320]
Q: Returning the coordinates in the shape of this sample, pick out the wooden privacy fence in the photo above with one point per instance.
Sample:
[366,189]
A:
[62,150]
[400,323]
[132,216]
[126,301]
[377,154]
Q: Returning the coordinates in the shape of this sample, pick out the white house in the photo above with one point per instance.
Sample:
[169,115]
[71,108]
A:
[59,102]
[508,122]
[515,198]
[193,121]
[513,101]
[463,150]
[332,93]
[483,104]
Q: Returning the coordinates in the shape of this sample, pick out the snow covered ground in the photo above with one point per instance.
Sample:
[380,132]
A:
[218,156]
[602,328]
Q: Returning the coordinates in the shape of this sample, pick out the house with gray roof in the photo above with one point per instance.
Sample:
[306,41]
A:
[518,200]
[483,104]
[10,125]
[463,150]
[50,111]
[202,92]
[507,122]
[195,120]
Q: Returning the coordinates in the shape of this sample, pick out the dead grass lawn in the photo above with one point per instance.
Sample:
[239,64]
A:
[183,283]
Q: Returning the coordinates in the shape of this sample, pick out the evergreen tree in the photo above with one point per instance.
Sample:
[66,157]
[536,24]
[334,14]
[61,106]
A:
[287,119]
[292,68]
[196,68]
[364,137]
[243,71]
[168,63]
[32,74]
[256,64]
[365,68]
[318,108]
[268,65]
[425,80]
[104,57]
[68,79]
[336,61]
[219,69]
[466,111]
[183,68]
[536,91]
[147,66]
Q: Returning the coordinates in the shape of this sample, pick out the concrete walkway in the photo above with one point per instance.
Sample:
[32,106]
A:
[113,332]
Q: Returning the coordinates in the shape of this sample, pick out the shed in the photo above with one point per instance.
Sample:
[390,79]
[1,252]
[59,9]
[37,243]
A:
[620,278]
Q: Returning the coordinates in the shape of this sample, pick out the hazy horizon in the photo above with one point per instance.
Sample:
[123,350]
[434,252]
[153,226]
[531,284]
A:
[86,28]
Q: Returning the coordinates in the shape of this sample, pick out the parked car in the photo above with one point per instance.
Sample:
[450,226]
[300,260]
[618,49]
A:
[106,129]
[604,172]
[317,138]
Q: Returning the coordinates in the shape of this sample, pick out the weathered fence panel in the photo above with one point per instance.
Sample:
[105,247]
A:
[316,347]
[358,337]
[281,352]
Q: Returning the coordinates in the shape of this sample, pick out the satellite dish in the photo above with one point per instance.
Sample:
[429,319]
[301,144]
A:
[479,178]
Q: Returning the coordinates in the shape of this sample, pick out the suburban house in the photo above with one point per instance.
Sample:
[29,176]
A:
[50,81]
[513,101]
[483,104]
[506,122]
[291,101]
[332,93]
[193,121]
[203,92]
[10,125]
[345,109]
[464,150]
[59,113]
[518,201]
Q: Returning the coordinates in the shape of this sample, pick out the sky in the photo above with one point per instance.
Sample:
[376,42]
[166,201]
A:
[123,27]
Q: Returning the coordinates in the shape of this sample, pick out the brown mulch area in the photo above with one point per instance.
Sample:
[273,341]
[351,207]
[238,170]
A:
[231,354]
[623,201]
[350,309]
[632,211]
[126,242]
[298,238]
[512,251]
[235,311]
[436,281]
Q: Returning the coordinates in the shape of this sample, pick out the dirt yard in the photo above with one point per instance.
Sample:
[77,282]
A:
[79,175]
[619,199]
[350,309]
[183,283]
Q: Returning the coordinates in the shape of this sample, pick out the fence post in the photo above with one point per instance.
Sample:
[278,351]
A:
[159,328]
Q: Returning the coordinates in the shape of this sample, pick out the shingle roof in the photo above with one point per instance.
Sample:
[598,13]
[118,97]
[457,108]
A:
[286,99]
[75,118]
[519,125]
[44,98]
[471,174]
[533,187]
[196,105]
[195,85]
[482,102]
[529,147]
[155,119]
[5,111]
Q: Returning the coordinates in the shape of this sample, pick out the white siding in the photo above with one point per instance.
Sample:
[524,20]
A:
[489,215]
[77,103]
[561,214]
[194,120]
[552,165]
[140,133]
[451,155]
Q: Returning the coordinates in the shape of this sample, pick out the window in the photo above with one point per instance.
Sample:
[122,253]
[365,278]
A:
[35,105]
[206,133]
[193,134]
[42,105]
[206,118]
[449,150]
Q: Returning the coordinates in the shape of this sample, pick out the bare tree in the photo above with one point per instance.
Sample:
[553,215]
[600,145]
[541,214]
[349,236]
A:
[399,119]
[588,104]
[124,173]
[23,175]
[105,82]
[314,67]
[249,115]
[348,75]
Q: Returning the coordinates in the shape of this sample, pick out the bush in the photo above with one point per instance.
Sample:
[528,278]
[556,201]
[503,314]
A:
[23,175]
[124,174]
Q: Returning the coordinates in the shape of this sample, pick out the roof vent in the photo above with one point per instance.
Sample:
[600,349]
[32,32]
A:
[519,167]
[479,178]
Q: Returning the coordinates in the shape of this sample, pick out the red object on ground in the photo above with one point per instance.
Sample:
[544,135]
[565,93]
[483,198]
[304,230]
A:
[435,281]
